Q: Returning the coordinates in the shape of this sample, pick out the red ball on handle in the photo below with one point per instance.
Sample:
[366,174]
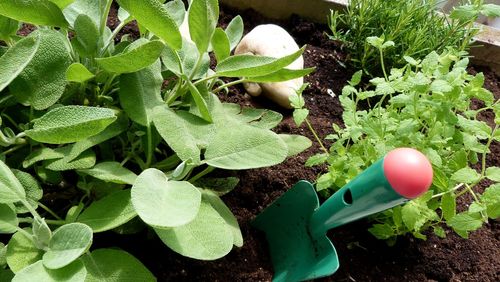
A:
[408,171]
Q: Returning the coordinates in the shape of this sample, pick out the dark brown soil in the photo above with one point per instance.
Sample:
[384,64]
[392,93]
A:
[362,257]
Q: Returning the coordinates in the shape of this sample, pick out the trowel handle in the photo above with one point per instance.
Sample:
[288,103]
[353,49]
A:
[402,174]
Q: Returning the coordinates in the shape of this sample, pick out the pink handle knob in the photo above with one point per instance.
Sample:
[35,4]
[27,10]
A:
[408,171]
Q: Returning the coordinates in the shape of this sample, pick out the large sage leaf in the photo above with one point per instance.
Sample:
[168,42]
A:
[87,37]
[140,93]
[95,9]
[202,19]
[133,59]
[155,17]
[185,58]
[282,75]
[8,28]
[21,252]
[207,237]
[69,124]
[185,133]
[86,160]
[8,219]
[221,45]
[109,212]
[39,12]
[234,31]
[77,72]
[11,190]
[43,80]
[252,66]
[67,244]
[295,143]
[217,203]
[162,203]
[32,189]
[111,172]
[241,146]
[110,265]
[75,272]
[16,59]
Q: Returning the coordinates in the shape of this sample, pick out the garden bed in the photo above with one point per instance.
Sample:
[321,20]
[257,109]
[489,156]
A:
[362,257]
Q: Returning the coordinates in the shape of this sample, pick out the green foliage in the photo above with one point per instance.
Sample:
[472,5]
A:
[427,105]
[127,131]
[415,26]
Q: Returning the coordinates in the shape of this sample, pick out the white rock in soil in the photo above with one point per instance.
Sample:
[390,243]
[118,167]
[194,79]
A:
[272,41]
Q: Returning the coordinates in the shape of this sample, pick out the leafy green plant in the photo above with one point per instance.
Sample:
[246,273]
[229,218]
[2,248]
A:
[135,126]
[427,105]
[413,24]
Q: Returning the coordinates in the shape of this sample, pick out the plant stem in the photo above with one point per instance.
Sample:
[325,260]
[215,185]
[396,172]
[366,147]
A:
[383,65]
[47,209]
[33,212]
[488,144]
[452,190]
[149,151]
[48,221]
[201,174]
[316,136]
[229,84]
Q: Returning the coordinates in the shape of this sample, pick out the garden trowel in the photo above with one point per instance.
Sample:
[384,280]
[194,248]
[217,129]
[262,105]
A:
[296,225]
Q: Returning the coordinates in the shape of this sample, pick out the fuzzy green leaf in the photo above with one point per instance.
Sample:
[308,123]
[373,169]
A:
[38,12]
[87,36]
[16,59]
[109,212]
[8,219]
[8,28]
[67,244]
[110,265]
[245,148]
[133,60]
[234,31]
[296,143]
[92,8]
[43,80]
[77,72]
[282,75]
[155,17]
[253,66]
[11,190]
[32,189]
[69,124]
[111,172]
[185,133]
[207,237]
[220,44]
[74,272]
[202,19]
[217,203]
[21,252]
[140,93]
[162,203]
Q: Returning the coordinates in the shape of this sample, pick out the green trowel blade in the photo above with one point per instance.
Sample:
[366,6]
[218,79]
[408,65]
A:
[296,256]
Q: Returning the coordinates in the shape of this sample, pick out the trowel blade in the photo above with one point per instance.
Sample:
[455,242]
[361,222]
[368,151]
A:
[296,256]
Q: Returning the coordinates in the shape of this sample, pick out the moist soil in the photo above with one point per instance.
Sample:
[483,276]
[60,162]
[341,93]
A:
[362,257]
